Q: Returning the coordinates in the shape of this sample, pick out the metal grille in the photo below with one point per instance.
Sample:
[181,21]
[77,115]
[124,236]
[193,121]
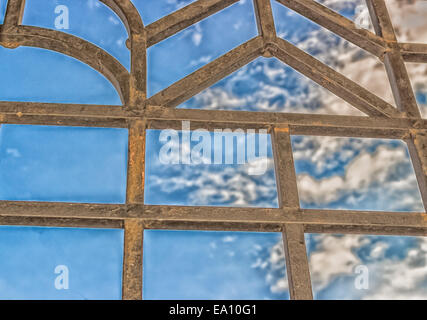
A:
[158,112]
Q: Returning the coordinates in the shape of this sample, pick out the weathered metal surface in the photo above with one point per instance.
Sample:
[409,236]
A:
[14,14]
[139,114]
[136,162]
[265,20]
[209,218]
[287,189]
[414,52]
[297,262]
[417,146]
[158,117]
[132,260]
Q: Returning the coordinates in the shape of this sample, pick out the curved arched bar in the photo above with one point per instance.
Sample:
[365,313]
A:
[128,14]
[138,47]
[73,46]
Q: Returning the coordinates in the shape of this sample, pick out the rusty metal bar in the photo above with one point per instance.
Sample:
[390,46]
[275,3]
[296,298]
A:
[214,218]
[414,52]
[401,84]
[287,189]
[297,262]
[183,18]
[132,260]
[265,20]
[134,230]
[137,45]
[209,74]
[169,118]
[381,20]
[338,24]
[136,162]
[293,234]
[138,74]
[128,14]
[14,14]
[393,60]
[417,146]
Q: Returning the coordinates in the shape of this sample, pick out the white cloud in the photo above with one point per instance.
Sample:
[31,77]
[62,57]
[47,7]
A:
[202,60]
[197,35]
[385,173]
[13,152]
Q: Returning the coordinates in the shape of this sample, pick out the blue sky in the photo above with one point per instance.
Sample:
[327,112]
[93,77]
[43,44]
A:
[89,165]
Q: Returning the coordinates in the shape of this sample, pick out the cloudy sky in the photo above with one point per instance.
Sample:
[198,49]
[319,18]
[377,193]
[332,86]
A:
[89,165]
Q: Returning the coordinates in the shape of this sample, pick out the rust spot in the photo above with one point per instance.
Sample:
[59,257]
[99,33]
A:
[10,44]
[282,129]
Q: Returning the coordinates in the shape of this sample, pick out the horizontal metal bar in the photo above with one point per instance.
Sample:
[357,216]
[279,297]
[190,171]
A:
[215,218]
[170,118]
[299,123]
[61,222]
[414,52]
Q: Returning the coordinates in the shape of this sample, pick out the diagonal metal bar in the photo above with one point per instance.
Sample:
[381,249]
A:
[393,61]
[332,80]
[209,74]
[338,24]
[381,20]
[183,18]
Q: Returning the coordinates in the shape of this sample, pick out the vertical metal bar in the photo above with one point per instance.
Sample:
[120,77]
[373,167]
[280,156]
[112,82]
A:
[14,13]
[136,162]
[285,170]
[265,20]
[417,147]
[134,229]
[296,262]
[393,60]
[293,234]
[132,261]
[138,75]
